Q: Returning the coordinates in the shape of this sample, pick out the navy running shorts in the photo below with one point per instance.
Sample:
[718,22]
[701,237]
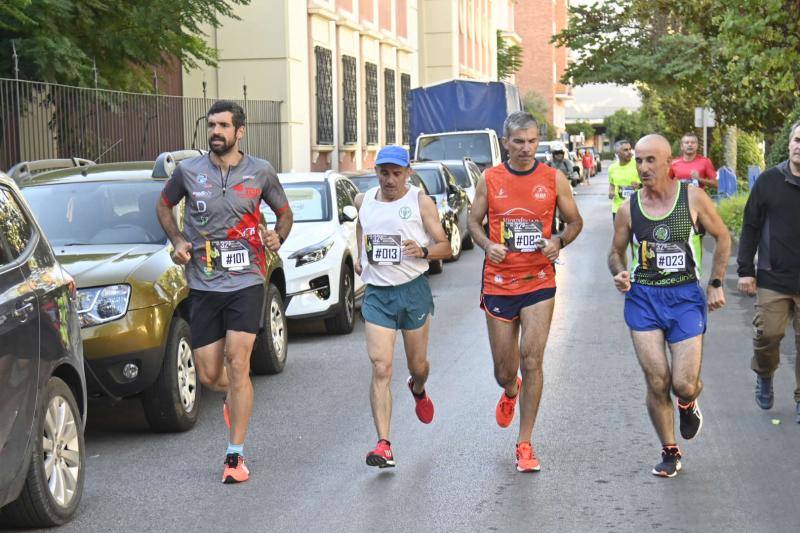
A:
[509,307]
[679,311]
[404,307]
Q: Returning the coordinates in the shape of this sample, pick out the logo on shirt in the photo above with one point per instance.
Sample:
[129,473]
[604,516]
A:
[405,212]
[248,178]
[203,220]
[201,194]
[501,194]
[246,192]
[540,193]
[202,178]
[542,274]
[661,232]
[498,279]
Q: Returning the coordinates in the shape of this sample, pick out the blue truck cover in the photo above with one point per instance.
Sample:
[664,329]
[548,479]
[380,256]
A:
[460,105]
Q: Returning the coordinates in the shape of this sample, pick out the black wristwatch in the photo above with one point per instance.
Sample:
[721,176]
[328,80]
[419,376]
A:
[716,283]
[280,238]
[424,252]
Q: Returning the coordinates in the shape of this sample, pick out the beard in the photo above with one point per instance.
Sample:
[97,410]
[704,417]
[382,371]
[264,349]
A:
[223,148]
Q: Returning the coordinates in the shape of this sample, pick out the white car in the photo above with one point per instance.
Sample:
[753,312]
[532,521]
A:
[319,253]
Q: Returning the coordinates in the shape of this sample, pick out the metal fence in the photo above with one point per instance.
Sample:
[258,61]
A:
[46,120]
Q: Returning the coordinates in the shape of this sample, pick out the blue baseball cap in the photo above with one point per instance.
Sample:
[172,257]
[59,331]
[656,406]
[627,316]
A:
[394,155]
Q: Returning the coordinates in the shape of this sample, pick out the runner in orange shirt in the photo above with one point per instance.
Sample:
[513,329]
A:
[520,198]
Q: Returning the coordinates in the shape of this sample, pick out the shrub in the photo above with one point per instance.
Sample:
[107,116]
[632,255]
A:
[779,151]
[732,210]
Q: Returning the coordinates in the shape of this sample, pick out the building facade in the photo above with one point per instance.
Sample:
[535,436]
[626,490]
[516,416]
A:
[543,63]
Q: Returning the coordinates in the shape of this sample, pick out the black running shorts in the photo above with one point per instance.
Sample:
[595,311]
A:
[215,313]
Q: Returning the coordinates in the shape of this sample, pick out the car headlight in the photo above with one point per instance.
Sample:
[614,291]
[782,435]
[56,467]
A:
[313,253]
[102,304]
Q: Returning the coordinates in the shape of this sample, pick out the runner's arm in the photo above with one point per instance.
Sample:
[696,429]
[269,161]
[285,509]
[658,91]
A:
[617,262]
[568,209]
[709,175]
[440,249]
[611,190]
[359,199]
[480,206]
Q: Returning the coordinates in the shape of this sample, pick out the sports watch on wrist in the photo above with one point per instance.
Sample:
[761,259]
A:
[424,252]
[716,283]
[280,238]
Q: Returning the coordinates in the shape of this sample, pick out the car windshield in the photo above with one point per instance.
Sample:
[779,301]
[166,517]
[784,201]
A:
[460,172]
[309,202]
[432,180]
[473,145]
[365,183]
[99,212]
[542,148]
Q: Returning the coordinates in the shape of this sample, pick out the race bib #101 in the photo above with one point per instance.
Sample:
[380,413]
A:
[233,255]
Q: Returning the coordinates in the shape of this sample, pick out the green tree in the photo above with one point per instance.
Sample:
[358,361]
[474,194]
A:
[779,151]
[742,59]
[509,58]
[57,40]
[537,107]
[576,128]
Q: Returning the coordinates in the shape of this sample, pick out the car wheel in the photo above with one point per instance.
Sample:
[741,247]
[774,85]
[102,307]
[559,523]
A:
[269,351]
[455,242]
[468,243]
[436,267]
[173,401]
[54,484]
[343,322]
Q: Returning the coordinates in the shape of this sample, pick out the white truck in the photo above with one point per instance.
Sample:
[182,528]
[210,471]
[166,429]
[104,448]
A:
[482,146]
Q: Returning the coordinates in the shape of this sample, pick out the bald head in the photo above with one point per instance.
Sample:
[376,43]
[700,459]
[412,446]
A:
[653,158]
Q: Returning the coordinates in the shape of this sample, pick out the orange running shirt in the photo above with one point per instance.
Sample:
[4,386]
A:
[521,210]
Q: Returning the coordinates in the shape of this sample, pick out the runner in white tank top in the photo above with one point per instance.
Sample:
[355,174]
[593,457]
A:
[399,231]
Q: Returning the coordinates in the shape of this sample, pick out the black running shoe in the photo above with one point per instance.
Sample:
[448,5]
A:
[670,462]
[691,420]
[764,395]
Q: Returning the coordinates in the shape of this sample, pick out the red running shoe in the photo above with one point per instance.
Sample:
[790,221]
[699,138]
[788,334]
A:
[526,458]
[424,406]
[381,456]
[235,470]
[504,412]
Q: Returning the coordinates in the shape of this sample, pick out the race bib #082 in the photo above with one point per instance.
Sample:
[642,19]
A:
[233,255]
[522,235]
[384,249]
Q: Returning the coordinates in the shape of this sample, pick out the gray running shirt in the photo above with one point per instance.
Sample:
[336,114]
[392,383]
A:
[221,220]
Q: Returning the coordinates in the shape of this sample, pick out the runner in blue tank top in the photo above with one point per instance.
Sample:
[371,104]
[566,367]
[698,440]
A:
[663,223]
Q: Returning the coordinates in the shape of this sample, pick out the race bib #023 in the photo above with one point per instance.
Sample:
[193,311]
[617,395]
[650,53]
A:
[668,257]
[522,235]
[384,249]
[233,255]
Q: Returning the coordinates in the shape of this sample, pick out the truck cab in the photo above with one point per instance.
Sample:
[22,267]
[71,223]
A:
[481,146]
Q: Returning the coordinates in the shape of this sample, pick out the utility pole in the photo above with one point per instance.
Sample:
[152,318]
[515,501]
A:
[17,105]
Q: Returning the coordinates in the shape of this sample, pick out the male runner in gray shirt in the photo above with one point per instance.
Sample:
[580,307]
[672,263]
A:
[222,246]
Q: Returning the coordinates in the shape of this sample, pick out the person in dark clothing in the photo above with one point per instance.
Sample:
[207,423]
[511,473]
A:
[771,227]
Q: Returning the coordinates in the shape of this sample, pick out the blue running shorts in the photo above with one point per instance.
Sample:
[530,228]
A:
[405,306]
[679,311]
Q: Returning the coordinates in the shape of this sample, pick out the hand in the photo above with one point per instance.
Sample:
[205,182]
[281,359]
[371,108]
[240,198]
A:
[747,285]
[551,249]
[269,238]
[182,253]
[623,281]
[715,297]
[496,252]
[358,268]
[611,196]
[412,249]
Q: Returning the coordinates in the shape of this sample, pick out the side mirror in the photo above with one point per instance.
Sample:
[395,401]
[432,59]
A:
[349,213]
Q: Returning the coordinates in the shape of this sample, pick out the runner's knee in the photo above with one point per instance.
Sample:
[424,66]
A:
[504,375]
[685,389]
[238,366]
[658,384]
[381,370]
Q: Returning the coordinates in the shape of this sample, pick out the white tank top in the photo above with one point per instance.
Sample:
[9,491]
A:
[385,225]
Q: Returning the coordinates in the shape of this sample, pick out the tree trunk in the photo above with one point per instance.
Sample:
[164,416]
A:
[729,147]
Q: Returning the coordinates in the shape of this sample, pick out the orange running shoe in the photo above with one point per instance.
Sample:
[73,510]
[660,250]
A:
[235,470]
[526,458]
[381,456]
[424,408]
[504,413]
[226,413]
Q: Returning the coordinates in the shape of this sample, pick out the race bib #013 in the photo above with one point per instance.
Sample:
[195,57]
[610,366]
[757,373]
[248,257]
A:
[233,255]
[384,249]
[522,235]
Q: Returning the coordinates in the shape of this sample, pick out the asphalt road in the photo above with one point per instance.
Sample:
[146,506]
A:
[312,428]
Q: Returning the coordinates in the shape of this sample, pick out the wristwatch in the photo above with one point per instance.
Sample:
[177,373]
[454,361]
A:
[280,238]
[716,283]
[424,252]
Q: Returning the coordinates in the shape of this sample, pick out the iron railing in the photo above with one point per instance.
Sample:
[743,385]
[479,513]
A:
[47,120]
[389,101]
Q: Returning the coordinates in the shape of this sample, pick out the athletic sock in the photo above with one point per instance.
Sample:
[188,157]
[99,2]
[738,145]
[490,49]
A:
[683,405]
[235,448]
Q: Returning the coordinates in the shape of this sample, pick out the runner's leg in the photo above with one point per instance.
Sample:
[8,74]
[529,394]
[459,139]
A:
[651,352]
[380,347]
[504,343]
[210,361]
[238,347]
[535,321]
[687,357]
[415,342]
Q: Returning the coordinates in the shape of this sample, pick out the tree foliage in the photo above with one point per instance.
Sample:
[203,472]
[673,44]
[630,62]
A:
[509,58]
[534,104]
[779,150]
[742,59]
[57,40]
[576,128]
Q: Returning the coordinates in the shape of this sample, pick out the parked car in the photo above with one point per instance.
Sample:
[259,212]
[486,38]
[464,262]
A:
[365,181]
[319,254]
[452,202]
[132,299]
[42,383]
[482,146]
[467,174]
[542,154]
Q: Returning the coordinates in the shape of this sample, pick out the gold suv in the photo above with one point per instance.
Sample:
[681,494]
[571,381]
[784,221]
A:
[101,222]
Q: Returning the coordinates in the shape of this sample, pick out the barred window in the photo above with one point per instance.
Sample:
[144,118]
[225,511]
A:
[388,86]
[372,102]
[324,86]
[349,88]
[405,87]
